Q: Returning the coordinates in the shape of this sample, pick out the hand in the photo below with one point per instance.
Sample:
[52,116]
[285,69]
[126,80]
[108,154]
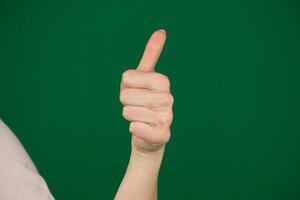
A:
[147,100]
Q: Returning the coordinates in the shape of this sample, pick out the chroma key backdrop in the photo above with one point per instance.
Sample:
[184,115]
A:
[234,68]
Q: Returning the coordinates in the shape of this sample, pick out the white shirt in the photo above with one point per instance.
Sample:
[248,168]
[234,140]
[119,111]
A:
[19,178]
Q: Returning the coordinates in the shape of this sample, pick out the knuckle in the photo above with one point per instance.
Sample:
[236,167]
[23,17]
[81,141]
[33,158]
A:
[125,112]
[162,122]
[163,137]
[166,99]
[164,81]
[132,127]
[123,95]
[171,99]
[169,117]
[166,119]
[126,74]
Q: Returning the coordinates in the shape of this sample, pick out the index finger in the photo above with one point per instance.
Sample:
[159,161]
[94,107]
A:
[152,51]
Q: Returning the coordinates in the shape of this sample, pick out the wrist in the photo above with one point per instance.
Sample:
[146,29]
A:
[142,155]
[145,163]
[144,151]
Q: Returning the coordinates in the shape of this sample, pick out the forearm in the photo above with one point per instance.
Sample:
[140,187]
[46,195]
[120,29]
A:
[148,103]
[140,180]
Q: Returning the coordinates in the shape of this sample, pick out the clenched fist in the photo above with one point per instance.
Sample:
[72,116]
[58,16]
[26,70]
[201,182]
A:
[147,100]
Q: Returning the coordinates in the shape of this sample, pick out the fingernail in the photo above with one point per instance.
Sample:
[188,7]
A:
[162,30]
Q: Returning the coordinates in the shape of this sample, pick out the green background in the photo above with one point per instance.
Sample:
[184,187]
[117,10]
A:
[234,70]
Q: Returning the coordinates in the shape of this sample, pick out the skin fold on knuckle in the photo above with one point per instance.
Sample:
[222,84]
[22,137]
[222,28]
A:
[165,99]
[126,76]
[163,125]
[125,112]
[162,137]
[166,137]
[167,117]
[123,95]
[163,120]
[171,99]
[134,127]
[163,82]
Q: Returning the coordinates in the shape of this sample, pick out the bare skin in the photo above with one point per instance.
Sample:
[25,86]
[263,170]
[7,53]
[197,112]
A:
[148,104]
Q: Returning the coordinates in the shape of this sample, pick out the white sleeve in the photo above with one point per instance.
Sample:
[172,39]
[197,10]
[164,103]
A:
[19,178]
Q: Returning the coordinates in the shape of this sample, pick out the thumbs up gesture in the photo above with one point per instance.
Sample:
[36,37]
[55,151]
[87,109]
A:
[147,100]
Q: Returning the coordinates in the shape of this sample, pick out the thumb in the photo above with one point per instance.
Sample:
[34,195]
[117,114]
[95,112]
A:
[152,51]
